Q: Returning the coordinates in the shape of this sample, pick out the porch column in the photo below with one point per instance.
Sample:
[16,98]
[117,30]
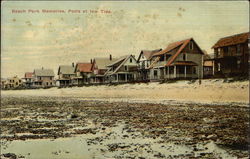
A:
[175,71]
[164,72]
[185,71]
[126,77]
[168,72]
[117,77]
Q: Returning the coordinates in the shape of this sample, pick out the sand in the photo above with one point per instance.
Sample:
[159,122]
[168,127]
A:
[210,91]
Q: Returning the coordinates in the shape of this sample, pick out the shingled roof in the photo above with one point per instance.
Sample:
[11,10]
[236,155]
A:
[101,63]
[44,72]
[173,46]
[122,60]
[28,74]
[66,69]
[179,45]
[84,67]
[232,40]
[148,53]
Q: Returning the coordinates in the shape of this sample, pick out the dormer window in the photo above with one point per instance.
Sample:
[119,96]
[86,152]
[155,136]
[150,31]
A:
[191,45]
[131,60]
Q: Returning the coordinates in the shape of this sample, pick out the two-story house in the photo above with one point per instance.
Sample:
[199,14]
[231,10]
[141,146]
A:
[28,79]
[231,55]
[180,60]
[100,67]
[122,70]
[144,63]
[65,75]
[83,73]
[43,78]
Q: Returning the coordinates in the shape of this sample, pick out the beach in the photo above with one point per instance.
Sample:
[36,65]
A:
[169,120]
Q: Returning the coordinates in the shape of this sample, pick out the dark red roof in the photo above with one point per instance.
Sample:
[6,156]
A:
[172,46]
[232,40]
[28,74]
[84,67]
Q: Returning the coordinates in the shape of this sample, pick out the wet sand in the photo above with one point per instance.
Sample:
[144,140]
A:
[58,127]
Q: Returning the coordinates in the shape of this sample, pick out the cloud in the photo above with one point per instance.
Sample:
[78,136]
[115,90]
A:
[6,58]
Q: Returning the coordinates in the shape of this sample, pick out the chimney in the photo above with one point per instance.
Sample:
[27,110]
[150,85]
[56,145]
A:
[110,57]
[73,65]
[91,61]
[42,68]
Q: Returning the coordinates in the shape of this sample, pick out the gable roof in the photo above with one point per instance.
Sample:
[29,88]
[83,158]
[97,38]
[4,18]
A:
[84,67]
[148,53]
[173,46]
[66,69]
[101,63]
[28,74]
[44,72]
[232,40]
[118,60]
[123,60]
[179,45]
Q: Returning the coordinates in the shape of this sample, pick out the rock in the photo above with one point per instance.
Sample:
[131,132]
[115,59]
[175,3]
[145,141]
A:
[10,155]
[159,155]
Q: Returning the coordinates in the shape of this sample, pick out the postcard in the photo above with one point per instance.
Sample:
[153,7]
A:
[124,79]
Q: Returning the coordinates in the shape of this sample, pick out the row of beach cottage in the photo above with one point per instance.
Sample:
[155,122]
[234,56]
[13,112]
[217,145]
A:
[180,60]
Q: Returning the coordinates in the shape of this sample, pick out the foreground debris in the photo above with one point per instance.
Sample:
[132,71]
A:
[195,126]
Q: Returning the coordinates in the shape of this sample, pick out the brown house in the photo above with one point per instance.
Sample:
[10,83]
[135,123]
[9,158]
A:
[231,56]
[100,67]
[83,72]
[181,59]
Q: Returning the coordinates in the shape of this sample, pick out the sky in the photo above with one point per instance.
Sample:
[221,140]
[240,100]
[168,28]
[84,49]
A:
[34,40]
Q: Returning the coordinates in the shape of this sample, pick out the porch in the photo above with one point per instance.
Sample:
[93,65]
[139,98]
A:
[97,79]
[121,77]
[64,82]
[178,70]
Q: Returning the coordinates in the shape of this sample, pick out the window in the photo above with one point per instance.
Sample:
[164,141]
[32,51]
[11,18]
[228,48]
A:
[238,63]
[218,66]
[238,48]
[225,50]
[155,73]
[184,57]
[181,70]
[50,78]
[131,60]
[50,83]
[194,70]
[126,68]
[191,45]
[161,58]
[219,52]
